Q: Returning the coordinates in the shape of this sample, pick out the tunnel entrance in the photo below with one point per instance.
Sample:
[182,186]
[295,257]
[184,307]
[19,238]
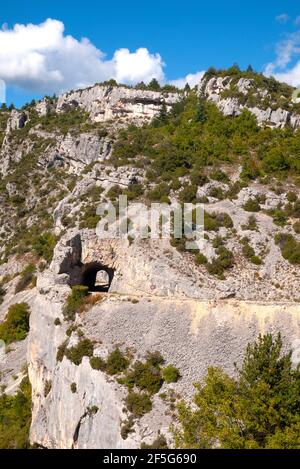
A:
[97,277]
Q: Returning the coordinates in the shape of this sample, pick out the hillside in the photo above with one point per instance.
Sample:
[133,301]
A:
[232,144]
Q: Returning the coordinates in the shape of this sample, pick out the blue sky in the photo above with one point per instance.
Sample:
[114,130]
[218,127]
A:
[189,37]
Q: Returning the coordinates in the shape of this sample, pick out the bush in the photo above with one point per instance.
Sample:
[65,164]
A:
[170,374]
[145,377]
[296,227]
[2,293]
[154,358]
[116,362]
[251,224]
[200,258]
[16,325]
[252,205]
[43,245]
[292,196]
[27,278]
[97,363]
[73,388]
[84,348]
[221,263]
[138,404]
[15,418]
[75,301]
[61,351]
[127,427]
[290,248]
[159,443]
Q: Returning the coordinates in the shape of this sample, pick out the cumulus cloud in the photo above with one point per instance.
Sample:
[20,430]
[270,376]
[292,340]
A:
[42,58]
[283,18]
[284,68]
[192,79]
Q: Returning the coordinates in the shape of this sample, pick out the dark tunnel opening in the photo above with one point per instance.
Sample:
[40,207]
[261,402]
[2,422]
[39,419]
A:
[97,277]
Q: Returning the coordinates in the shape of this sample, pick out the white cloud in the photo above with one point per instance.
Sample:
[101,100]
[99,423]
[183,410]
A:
[283,18]
[283,68]
[42,58]
[192,79]
[297,20]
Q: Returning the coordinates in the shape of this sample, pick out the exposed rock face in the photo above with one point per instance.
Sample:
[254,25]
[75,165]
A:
[17,120]
[110,102]
[190,333]
[231,106]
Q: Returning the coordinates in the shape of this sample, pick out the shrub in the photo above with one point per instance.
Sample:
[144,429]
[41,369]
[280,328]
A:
[116,362]
[57,322]
[170,374]
[159,443]
[16,325]
[47,387]
[15,418]
[252,205]
[61,351]
[279,217]
[97,363]
[292,196]
[75,301]
[154,358]
[296,227]
[84,348]
[138,404]
[251,224]
[127,427]
[27,278]
[2,293]
[290,248]
[73,387]
[221,263]
[144,376]
[43,245]
[200,258]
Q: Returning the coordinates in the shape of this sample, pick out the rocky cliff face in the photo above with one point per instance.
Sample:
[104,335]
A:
[192,334]
[56,167]
[230,98]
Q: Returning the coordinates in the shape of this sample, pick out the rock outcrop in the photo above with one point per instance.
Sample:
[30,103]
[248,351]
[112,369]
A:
[190,333]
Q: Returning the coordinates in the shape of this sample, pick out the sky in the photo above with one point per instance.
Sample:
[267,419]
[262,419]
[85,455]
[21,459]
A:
[50,47]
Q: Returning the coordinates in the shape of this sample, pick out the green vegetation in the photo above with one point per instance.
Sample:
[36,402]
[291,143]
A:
[258,409]
[75,301]
[252,205]
[116,362]
[16,325]
[290,248]
[170,374]
[127,427]
[84,348]
[43,245]
[195,136]
[27,278]
[97,363]
[145,377]
[222,262]
[249,252]
[73,388]
[159,443]
[138,403]
[15,418]
[2,293]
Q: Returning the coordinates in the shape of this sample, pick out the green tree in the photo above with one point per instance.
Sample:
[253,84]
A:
[154,85]
[258,409]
